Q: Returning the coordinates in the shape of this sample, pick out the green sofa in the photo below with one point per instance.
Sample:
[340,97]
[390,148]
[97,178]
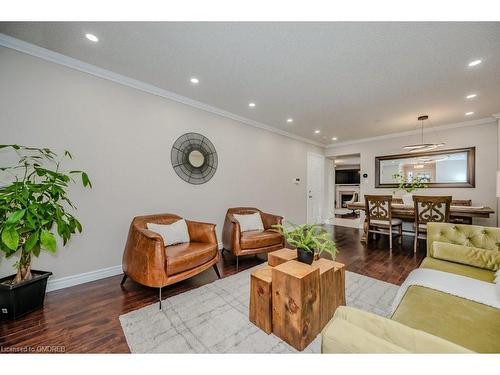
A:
[466,250]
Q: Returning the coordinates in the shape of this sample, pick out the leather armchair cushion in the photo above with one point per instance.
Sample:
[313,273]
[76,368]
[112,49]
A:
[255,239]
[471,256]
[186,256]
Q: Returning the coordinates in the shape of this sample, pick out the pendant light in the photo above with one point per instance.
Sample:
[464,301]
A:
[422,146]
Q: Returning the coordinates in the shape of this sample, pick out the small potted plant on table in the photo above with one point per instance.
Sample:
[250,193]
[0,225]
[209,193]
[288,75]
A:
[34,209]
[309,239]
[409,187]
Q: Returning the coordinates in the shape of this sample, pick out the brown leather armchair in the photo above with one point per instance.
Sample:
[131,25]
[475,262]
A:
[250,242]
[147,261]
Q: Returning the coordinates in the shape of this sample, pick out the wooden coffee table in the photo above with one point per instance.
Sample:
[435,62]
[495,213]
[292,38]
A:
[295,300]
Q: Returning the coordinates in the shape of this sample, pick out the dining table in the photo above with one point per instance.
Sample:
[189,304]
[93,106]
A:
[459,213]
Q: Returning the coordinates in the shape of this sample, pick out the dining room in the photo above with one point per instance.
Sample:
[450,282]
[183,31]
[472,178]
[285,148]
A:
[454,166]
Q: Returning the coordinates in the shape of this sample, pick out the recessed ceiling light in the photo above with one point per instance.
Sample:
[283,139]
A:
[471,96]
[475,62]
[194,80]
[289,120]
[469,113]
[251,105]
[92,37]
[334,138]
[317,131]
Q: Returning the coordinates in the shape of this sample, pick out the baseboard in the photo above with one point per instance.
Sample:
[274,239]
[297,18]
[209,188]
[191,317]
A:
[66,282]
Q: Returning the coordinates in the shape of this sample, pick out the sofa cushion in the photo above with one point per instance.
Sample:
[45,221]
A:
[487,238]
[471,256]
[186,256]
[466,323]
[255,239]
[459,269]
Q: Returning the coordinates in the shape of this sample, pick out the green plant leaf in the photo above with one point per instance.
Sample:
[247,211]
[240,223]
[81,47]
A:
[48,241]
[10,238]
[85,180]
[31,241]
[15,217]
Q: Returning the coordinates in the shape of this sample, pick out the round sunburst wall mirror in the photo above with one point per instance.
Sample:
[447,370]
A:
[194,158]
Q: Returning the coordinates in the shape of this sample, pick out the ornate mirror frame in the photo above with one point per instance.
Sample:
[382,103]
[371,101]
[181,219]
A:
[471,168]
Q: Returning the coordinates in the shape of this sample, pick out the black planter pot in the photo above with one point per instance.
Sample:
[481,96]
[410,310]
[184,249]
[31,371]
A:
[305,256]
[19,300]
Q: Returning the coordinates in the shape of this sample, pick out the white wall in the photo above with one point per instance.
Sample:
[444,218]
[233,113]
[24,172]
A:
[484,137]
[123,137]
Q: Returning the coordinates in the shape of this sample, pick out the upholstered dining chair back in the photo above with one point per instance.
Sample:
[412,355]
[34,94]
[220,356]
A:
[378,207]
[432,209]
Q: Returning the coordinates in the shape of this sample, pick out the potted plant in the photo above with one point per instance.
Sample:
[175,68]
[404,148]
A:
[34,209]
[308,239]
[409,187]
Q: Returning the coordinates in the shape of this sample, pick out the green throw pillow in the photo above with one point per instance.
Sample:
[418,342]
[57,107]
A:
[471,256]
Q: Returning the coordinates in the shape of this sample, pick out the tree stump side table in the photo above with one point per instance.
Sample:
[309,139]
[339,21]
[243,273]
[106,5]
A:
[295,303]
[260,299]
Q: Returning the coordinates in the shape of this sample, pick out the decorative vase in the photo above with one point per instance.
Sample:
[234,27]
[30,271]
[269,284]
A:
[408,199]
[305,256]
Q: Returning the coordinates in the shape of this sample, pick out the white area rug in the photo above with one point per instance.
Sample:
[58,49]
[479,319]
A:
[214,318]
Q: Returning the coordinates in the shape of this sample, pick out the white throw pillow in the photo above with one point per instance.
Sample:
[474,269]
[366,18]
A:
[249,222]
[171,233]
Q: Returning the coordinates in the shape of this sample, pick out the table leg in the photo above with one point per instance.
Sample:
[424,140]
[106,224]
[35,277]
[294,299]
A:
[364,237]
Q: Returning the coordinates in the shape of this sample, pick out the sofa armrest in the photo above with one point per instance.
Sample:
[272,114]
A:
[201,232]
[269,220]
[356,331]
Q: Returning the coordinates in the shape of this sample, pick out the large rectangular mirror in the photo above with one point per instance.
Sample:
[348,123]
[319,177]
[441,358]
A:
[444,168]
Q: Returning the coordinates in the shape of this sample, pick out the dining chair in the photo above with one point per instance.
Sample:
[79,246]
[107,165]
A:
[379,217]
[435,209]
[352,200]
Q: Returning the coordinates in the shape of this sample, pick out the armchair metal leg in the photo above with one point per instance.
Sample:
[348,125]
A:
[160,296]
[216,270]
[124,279]
[237,263]
[415,243]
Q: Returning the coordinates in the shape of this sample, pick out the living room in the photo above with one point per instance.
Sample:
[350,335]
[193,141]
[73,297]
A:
[159,193]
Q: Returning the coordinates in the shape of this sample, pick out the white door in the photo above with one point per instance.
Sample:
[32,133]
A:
[315,187]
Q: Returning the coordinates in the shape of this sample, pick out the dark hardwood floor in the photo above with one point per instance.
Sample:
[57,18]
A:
[84,318]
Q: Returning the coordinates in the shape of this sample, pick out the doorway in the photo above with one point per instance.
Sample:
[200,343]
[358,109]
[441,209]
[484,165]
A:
[315,187]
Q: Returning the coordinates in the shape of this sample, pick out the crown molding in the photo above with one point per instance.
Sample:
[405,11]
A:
[413,132]
[70,62]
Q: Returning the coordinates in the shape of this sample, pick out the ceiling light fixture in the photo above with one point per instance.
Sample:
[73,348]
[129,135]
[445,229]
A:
[194,80]
[471,96]
[92,37]
[469,113]
[334,138]
[317,131]
[251,105]
[289,120]
[422,146]
[475,62]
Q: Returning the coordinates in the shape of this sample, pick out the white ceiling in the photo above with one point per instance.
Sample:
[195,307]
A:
[349,80]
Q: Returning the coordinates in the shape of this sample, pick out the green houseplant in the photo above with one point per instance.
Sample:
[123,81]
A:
[409,186]
[308,239]
[35,209]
